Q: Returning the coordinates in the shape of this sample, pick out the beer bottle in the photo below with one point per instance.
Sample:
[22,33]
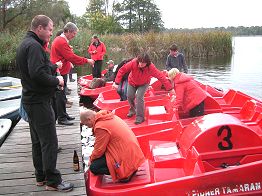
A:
[76,162]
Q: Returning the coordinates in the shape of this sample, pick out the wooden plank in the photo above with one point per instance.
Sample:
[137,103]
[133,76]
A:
[16,167]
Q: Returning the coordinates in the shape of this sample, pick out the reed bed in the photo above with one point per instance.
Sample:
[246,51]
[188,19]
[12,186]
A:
[119,47]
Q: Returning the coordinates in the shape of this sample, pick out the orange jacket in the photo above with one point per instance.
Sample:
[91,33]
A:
[188,93]
[117,141]
[100,51]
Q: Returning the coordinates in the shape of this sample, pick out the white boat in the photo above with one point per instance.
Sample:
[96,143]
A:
[5,125]
[10,88]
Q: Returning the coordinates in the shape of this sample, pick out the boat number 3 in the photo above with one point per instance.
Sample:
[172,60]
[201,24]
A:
[226,144]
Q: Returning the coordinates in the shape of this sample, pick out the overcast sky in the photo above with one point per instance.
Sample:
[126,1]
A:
[199,13]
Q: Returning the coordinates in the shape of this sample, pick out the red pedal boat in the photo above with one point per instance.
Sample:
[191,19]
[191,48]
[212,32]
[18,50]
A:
[110,100]
[216,154]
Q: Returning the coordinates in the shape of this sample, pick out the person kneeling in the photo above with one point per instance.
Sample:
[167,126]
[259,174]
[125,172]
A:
[116,149]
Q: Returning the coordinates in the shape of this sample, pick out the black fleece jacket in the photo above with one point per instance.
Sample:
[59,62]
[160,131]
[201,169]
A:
[38,81]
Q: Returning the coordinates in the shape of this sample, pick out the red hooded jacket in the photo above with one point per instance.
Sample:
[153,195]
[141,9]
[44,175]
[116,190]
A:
[188,93]
[141,76]
[117,141]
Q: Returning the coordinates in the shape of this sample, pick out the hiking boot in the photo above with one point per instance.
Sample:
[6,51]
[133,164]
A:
[62,187]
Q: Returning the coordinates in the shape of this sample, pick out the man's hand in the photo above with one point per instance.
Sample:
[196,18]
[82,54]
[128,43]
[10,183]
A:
[91,62]
[115,86]
[61,80]
[59,64]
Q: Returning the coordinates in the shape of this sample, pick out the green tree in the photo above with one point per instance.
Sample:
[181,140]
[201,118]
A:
[98,18]
[139,15]
[17,14]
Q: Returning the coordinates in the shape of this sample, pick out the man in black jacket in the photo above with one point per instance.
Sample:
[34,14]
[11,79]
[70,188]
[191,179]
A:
[39,85]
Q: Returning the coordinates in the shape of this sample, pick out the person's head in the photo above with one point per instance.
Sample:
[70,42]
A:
[143,60]
[42,26]
[172,73]
[70,30]
[173,50]
[110,63]
[95,39]
[87,117]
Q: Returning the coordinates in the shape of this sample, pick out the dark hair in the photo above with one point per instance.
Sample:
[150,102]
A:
[173,47]
[144,58]
[40,20]
[95,37]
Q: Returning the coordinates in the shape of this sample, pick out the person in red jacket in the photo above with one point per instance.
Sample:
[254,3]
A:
[189,95]
[61,51]
[140,71]
[116,149]
[97,50]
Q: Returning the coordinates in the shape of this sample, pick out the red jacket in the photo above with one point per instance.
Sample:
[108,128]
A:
[188,93]
[117,141]
[61,51]
[141,76]
[100,51]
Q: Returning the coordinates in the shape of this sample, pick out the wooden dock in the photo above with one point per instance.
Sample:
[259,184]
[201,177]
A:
[16,167]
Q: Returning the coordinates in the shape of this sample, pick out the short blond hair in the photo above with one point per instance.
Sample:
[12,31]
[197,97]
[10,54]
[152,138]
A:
[172,73]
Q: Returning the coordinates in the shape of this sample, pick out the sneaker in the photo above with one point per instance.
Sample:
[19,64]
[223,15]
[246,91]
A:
[42,183]
[130,114]
[69,102]
[70,118]
[62,187]
[139,121]
[65,122]
[68,105]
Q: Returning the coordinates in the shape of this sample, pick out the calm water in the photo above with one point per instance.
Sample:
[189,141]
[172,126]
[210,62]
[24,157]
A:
[242,72]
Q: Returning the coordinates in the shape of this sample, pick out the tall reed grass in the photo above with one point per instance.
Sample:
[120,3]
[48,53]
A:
[119,47]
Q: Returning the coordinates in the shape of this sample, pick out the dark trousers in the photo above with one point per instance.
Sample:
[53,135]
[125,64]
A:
[61,102]
[44,142]
[61,105]
[99,166]
[71,74]
[97,69]
[198,110]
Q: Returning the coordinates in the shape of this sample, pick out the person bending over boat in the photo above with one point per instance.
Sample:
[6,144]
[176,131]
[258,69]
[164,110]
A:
[116,149]
[141,70]
[189,96]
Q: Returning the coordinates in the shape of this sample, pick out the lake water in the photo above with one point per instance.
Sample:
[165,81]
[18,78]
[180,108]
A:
[243,71]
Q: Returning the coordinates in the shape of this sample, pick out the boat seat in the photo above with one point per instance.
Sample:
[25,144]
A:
[141,177]
[165,154]
[251,111]
[5,83]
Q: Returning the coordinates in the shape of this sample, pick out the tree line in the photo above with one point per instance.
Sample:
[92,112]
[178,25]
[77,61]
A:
[101,16]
